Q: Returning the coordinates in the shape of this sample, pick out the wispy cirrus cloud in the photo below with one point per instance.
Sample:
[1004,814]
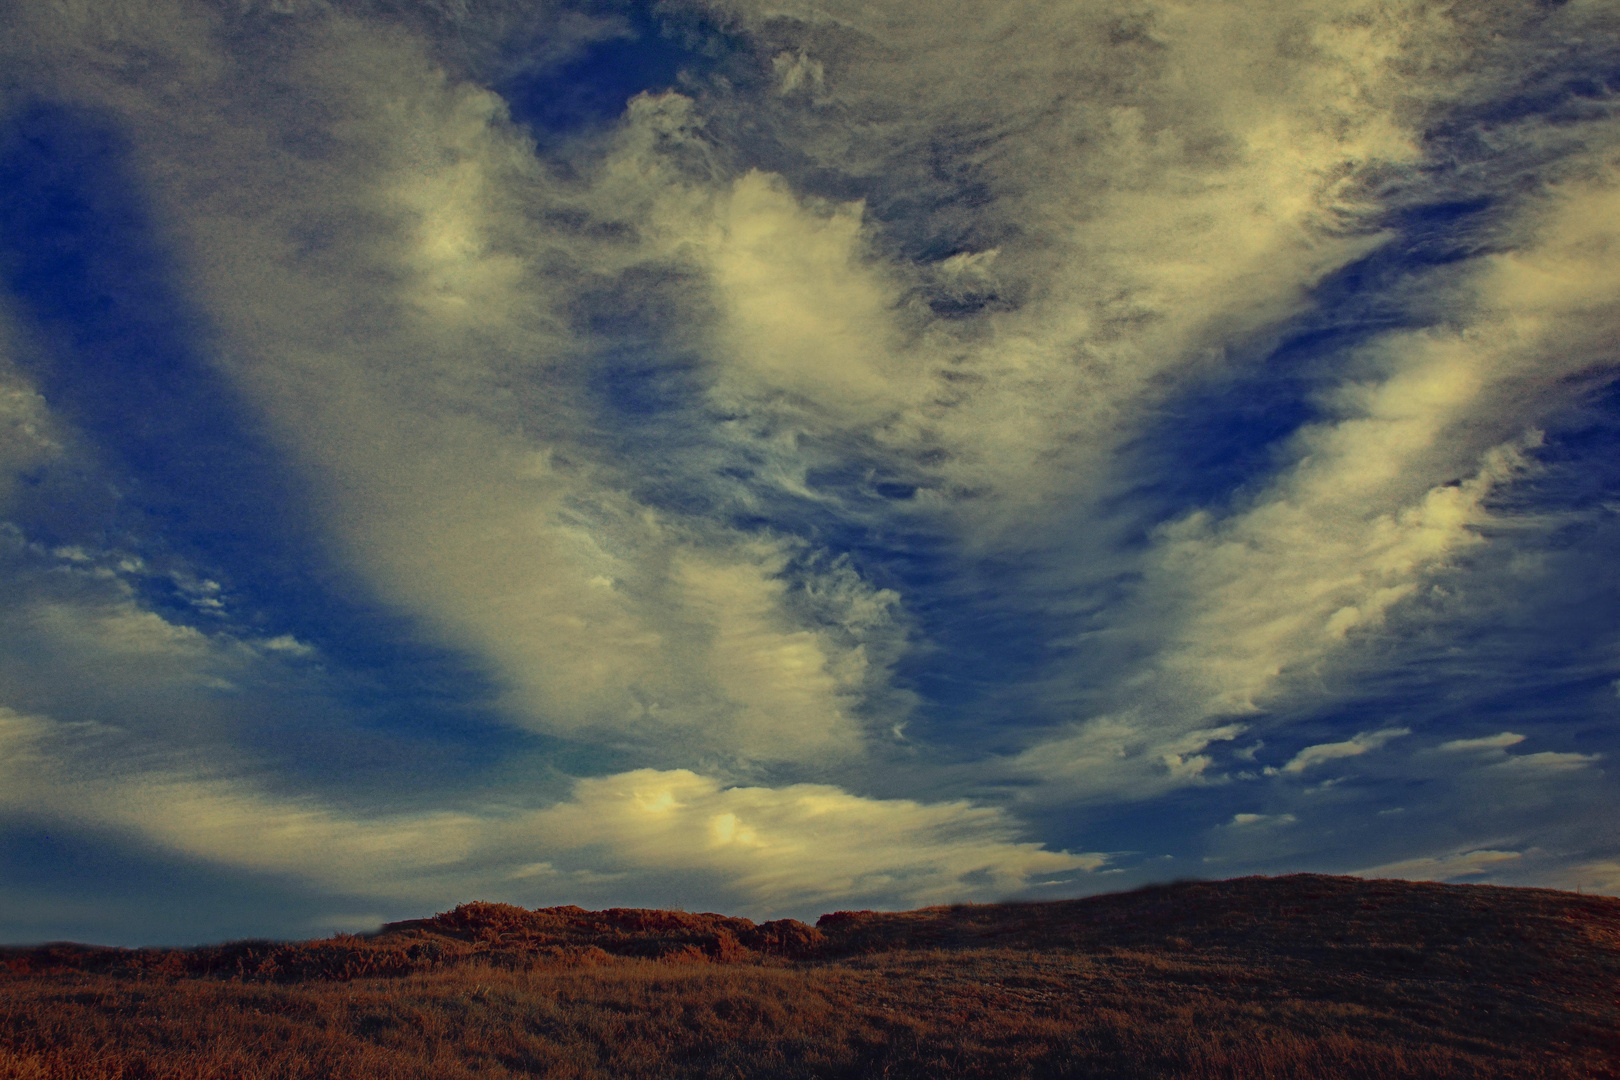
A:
[1359,744]
[807,452]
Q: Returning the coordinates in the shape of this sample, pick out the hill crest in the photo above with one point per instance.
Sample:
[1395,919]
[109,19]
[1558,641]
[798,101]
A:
[1299,913]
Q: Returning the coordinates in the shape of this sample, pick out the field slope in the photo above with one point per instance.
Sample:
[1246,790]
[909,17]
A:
[1301,976]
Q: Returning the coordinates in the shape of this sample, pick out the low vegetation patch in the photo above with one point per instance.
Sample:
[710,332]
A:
[1302,976]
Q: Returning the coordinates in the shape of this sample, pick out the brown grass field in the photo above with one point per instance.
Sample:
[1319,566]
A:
[1302,976]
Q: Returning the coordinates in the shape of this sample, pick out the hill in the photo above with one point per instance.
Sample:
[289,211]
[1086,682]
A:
[1299,976]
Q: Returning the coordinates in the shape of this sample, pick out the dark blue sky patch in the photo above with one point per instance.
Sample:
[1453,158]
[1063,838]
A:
[646,389]
[983,654]
[1144,831]
[1434,234]
[1508,146]
[124,354]
[589,91]
[116,893]
[1578,464]
[1206,445]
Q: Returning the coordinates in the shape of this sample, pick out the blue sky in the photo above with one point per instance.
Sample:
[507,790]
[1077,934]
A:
[773,457]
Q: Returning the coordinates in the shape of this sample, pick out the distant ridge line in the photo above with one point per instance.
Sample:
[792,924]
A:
[1296,910]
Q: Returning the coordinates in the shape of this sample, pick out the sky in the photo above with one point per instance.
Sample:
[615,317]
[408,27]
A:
[781,456]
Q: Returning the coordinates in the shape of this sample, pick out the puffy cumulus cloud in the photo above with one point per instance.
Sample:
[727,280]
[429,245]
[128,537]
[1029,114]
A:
[1353,747]
[804,314]
[1101,199]
[1460,864]
[766,849]
[801,844]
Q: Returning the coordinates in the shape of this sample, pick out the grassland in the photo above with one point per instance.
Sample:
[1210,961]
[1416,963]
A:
[1302,976]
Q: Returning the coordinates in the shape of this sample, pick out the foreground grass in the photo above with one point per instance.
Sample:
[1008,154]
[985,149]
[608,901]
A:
[1291,977]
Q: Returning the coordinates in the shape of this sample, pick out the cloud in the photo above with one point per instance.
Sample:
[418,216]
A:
[1492,749]
[1444,867]
[73,630]
[1077,125]
[1488,742]
[1426,432]
[1119,757]
[1246,820]
[492,523]
[1546,761]
[28,436]
[1077,387]
[1312,756]
[1599,876]
[763,849]
[218,819]
[444,429]
[805,843]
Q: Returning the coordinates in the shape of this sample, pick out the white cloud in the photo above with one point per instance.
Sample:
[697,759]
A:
[1546,761]
[28,435]
[1443,867]
[1119,757]
[1247,820]
[765,849]
[1117,202]
[425,367]
[224,821]
[1159,197]
[1243,609]
[802,844]
[1354,747]
[441,426]
[288,645]
[1488,742]
[1491,750]
[1598,875]
[87,637]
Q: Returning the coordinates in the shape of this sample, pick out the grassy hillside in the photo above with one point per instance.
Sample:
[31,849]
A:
[1302,976]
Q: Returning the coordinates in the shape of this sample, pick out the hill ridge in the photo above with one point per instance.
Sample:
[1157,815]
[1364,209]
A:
[1303,977]
[1386,914]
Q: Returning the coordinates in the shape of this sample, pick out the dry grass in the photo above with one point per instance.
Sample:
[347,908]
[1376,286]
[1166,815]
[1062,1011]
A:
[1304,977]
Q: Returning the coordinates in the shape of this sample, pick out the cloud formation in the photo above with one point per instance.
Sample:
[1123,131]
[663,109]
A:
[799,452]
[1443,867]
[764,850]
[1352,747]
